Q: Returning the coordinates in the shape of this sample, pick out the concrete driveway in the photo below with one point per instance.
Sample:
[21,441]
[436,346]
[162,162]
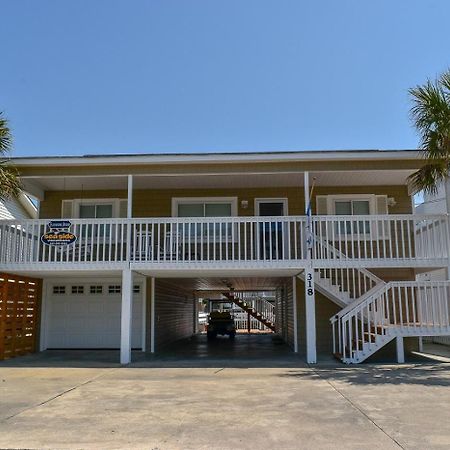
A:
[49,402]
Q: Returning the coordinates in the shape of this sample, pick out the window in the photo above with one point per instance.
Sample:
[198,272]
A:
[136,289]
[352,207]
[59,290]
[97,289]
[96,211]
[206,207]
[77,289]
[114,289]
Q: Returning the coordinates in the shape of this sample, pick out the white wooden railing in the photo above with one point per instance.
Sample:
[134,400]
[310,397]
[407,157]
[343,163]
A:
[241,322]
[260,304]
[231,239]
[389,237]
[347,283]
[402,308]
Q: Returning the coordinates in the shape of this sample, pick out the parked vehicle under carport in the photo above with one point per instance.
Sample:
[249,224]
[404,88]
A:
[220,322]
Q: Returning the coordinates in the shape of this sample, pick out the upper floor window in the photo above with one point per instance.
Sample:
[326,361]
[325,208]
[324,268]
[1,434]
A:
[206,207]
[96,211]
[94,208]
[199,207]
[352,207]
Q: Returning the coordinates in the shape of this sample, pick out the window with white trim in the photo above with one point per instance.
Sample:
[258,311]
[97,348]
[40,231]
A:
[353,205]
[204,207]
[96,210]
[208,208]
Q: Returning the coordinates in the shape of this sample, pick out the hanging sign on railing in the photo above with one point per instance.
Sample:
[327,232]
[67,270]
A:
[58,234]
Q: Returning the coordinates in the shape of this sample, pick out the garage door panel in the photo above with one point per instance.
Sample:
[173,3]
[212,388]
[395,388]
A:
[89,321]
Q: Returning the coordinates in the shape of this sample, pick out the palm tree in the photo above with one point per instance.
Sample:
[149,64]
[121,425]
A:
[9,181]
[431,117]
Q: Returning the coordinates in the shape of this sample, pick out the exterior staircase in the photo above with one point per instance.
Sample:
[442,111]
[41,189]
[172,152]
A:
[375,312]
[261,309]
[400,309]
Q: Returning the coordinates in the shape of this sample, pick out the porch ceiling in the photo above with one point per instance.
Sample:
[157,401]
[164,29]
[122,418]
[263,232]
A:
[218,285]
[205,181]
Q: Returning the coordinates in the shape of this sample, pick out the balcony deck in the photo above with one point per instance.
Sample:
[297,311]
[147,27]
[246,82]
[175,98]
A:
[274,243]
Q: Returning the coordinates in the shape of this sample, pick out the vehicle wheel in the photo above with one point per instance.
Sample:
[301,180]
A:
[211,335]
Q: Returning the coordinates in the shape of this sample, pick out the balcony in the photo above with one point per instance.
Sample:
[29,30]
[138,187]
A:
[333,241]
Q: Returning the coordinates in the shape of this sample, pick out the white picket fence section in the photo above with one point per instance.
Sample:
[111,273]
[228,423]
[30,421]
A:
[403,308]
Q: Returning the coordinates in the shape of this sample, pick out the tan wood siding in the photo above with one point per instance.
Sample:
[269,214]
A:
[289,308]
[174,313]
[158,202]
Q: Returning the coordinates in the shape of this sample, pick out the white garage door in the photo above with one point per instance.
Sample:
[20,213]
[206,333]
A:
[81,315]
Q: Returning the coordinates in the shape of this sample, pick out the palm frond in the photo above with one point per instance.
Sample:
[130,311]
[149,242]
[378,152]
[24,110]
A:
[10,185]
[430,114]
[5,136]
[428,177]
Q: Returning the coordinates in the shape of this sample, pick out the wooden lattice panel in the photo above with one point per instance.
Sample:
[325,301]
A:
[20,299]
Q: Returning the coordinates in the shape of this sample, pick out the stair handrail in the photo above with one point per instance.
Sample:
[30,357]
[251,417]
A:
[341,255]
[370,293]
[269,308]
[380,314]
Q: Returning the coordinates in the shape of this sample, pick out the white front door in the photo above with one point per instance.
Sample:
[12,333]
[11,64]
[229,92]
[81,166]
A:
[87,315]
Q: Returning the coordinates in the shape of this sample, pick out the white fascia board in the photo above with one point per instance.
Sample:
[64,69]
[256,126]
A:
[208,158]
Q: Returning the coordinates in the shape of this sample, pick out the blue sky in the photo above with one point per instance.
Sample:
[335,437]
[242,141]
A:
[104,76]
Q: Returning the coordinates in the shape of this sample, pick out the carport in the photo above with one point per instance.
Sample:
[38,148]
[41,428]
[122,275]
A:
[82,312]
[173,318]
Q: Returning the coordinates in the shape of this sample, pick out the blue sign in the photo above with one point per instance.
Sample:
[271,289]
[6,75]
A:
[58,234]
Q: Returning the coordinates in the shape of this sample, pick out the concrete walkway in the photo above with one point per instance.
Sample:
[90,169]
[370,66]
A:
[101,405]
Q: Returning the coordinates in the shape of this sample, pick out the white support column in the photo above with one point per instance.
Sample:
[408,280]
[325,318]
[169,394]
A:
[152,317]
[294,312]
[400,349]
[310,312]
[129,215]
[144,315]
[310,296]
[420,343]
[130,197]
[125,318]
[306,189]
[195,318]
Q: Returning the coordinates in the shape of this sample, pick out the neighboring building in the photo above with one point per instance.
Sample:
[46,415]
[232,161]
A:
[21,207]
[142,237]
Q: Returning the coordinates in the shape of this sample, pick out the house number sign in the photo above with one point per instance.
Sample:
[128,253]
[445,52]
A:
[309,279]
[58,234]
